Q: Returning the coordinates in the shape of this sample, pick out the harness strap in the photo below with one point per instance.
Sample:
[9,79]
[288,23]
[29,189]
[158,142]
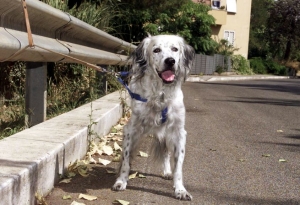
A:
[132,95]
[136,96]
[164,116]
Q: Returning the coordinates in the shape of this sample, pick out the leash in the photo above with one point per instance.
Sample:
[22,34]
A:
[137,97]
[132,95]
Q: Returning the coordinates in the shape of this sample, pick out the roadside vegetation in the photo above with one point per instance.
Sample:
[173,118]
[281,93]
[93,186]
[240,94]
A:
[274,36]
[272,49]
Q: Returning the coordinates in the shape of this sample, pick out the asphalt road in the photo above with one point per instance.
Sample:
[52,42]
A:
[243,147]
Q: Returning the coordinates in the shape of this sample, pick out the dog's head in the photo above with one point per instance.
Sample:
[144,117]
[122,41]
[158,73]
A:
[167,56]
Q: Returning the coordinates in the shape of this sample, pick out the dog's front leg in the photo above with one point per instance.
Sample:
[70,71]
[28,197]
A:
[129,142]
[167,166]
[179,152]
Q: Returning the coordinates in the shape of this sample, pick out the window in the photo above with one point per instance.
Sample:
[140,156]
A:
[231,6]
[216,4]
[229,36]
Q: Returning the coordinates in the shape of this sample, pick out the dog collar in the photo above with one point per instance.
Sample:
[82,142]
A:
[136,96]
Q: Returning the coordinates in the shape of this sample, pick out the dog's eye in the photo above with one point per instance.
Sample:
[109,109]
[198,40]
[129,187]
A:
[157,50]
[174,49]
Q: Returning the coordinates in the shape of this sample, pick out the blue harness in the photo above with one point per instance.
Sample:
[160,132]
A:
[136,96]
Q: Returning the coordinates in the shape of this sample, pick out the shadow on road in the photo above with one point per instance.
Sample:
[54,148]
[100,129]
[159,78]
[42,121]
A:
[265,101]
[289,85]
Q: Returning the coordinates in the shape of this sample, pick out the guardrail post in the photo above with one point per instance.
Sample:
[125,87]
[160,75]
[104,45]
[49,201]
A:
[35,93]
[102,81]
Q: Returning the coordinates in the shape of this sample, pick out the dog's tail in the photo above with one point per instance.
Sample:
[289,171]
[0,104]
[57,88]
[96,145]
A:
[158,150]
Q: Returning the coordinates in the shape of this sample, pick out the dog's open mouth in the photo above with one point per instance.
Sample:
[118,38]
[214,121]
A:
[167,76]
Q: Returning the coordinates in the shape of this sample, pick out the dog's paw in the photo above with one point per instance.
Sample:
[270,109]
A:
[182,194]
[168,176]
[119,186]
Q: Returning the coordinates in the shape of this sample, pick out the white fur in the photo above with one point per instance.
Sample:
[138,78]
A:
[148,60]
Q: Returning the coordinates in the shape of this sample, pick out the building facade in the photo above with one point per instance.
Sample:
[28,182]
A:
[232,22]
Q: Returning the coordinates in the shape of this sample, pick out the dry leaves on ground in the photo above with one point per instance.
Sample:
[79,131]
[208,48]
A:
[77,203]
[87,197]
[107,147]
[65,197]
[122,202]
[143,154]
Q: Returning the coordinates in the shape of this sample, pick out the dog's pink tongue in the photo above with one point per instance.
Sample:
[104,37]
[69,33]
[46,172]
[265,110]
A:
[168,76]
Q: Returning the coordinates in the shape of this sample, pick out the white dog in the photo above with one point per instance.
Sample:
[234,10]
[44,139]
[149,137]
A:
[159,66]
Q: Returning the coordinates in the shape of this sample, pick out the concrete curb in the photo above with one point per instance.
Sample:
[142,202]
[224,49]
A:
[32,160]
[233,78]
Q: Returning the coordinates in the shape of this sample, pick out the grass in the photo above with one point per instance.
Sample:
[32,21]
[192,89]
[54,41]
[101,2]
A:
[69,86]
[12,118]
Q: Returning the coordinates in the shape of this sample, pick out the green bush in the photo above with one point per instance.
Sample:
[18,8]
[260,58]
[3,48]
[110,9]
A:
[220,69]
[275,68]
[258,66]
[241,65]
[261,66]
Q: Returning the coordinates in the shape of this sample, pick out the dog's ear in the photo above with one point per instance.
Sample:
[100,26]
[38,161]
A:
[139,57]
[188,59]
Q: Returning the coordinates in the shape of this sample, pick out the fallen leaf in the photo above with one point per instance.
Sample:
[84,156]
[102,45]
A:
[132,176]
[117,158]
[117,138]
[143,154]
[66,181]
[242,160]
[83,171]
[71,174]
[110,172]
[115,133]
[141,176]
[87,197]
[91,160]
[104,161]
[282,160]
[117,146]
[266,155]
[77,203]
[95,150]
[40,199]
[121,202]
[123,121]
[102,144]
[73,166]
[118,127]
[66,197]
[279,130]
[108,150]
[113,130]
[83,163]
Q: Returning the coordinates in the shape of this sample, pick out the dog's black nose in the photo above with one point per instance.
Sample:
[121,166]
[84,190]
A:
[170,61]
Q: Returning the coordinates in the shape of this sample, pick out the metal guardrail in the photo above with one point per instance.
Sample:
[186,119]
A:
[57,31]
[37,33]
